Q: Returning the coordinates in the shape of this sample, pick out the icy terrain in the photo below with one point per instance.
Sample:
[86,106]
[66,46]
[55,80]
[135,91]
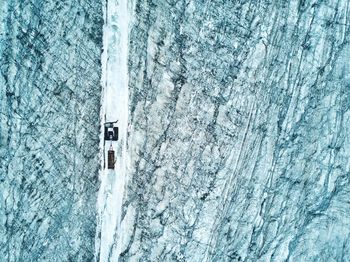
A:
[240,135]
[50,56]
[234,130]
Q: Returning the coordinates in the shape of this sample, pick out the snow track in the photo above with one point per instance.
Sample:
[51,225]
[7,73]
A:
[114,107]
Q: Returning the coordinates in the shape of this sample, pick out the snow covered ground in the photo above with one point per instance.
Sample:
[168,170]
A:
[114,107]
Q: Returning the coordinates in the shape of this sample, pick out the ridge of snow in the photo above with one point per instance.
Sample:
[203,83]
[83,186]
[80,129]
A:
[114,107]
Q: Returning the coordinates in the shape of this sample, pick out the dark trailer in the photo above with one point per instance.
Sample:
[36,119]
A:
[111,159]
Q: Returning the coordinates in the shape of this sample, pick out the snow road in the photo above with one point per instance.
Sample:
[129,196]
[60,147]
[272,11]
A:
[114,107]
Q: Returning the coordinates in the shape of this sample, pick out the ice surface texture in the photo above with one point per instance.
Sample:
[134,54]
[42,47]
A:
[240,134]
[49,122]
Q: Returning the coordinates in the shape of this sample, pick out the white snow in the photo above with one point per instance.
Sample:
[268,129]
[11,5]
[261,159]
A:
[114,107]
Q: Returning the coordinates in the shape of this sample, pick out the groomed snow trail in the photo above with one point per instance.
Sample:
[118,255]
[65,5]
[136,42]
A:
[114,107]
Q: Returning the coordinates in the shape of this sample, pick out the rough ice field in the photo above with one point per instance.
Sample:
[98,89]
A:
[238,146]
[50,90]
[240,133]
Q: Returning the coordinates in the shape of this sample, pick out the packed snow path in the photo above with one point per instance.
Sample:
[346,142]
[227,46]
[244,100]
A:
[114,107]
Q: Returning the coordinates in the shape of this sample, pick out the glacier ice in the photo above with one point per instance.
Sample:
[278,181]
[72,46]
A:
[49,129]
[240,131]
[237,131]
